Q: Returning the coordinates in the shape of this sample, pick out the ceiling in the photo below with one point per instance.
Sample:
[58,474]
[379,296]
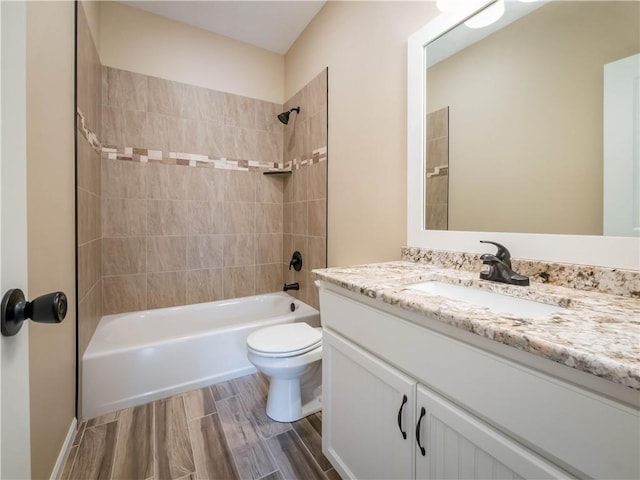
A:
[270,25]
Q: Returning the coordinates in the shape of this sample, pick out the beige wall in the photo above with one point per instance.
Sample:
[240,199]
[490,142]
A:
[142,42]
[92,14]
[364,45]
[50,221]
[526,128]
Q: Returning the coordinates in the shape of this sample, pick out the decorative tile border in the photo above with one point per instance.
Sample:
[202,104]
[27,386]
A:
[143,155]
[582,277]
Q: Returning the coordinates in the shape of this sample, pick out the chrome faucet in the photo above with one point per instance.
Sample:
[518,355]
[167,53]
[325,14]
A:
[500,267]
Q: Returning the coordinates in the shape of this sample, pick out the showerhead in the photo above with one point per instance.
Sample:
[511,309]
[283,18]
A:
[284,116]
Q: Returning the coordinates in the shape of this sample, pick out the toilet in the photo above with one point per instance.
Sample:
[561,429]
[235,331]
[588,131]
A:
[290,354]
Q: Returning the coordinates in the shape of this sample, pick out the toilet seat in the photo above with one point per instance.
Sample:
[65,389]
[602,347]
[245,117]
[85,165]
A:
[285,340]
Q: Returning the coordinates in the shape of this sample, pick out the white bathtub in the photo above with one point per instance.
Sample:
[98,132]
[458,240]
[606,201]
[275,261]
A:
[134,358]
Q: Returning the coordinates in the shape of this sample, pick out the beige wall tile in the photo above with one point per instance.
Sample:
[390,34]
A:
[166,182]
[89,266]
[239,217]
[240,111]
[287,218]
[123,255]
[300,184]
[166,289]
[438,124]
[240,143]
[112,125]
[166,254]
[268,278]
[204,285]
[317,257]
[134,129]
[299,218]
[88,217]
[239,250]
[183,135]
[188,101]
[269,188]
[317,223]
[206,184]
[437,189]
[121,179]
[317,185]
[437,152]
[89,314]
[267,117]
[124,89]
[205,251]
[269,147]
[269,248]
[124,217]
[210,105]
[126,293]
[167,217]
[209,139]
[205,218]
[269,218]
[238,281]
[164,97]
[157,133]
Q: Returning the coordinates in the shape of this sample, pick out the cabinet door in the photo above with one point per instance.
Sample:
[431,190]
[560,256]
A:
[459,445]
[366,406]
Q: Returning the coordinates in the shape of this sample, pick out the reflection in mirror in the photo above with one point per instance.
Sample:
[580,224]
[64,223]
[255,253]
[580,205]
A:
[518,123]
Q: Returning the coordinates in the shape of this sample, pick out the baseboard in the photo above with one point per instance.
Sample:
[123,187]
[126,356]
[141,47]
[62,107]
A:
[64,451]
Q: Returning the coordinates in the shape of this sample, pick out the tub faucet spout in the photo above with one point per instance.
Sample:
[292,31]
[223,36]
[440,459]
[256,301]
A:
[291,286]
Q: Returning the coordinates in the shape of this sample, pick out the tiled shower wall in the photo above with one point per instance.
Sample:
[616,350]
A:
[437,171]
[180,210]
[187,216]
[305,191]
[89,242]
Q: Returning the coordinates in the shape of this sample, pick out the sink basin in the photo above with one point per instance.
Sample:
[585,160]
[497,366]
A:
[496,302]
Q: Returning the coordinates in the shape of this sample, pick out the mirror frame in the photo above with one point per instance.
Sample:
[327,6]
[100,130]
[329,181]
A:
[613,252]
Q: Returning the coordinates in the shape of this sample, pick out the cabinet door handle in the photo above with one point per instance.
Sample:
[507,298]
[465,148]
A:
[404,401]
[423,412]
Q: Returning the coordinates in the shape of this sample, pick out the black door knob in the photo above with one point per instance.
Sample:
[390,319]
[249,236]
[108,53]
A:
[49,308]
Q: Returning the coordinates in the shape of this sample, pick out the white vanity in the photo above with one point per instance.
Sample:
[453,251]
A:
[417,385]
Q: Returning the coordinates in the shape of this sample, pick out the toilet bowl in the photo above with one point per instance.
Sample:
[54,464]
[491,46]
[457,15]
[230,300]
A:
[290,355]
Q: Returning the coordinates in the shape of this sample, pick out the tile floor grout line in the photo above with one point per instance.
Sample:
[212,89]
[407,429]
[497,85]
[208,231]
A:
[226,441]
[306,447]
[115,447]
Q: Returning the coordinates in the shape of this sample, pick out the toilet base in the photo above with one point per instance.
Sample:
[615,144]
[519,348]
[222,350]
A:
[292,399]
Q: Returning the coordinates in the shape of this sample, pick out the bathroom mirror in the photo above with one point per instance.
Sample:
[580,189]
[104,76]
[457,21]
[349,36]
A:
[522,184]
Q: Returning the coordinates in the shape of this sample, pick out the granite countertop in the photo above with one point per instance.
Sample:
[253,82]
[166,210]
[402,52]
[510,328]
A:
[596,333]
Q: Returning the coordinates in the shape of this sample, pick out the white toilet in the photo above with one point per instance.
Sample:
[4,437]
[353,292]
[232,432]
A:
[290,354]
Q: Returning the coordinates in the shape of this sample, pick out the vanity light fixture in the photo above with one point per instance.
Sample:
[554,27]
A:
[487,16]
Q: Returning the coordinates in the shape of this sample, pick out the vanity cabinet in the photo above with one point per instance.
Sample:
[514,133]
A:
[383,424]
[477,415]
[372,404]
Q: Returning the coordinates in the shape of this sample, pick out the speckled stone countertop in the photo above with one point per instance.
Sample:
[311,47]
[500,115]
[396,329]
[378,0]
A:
[597,333]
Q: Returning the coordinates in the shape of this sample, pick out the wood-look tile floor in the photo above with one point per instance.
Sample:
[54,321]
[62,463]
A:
[217,432]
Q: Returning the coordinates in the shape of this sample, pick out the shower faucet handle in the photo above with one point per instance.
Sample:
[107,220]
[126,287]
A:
[296,261]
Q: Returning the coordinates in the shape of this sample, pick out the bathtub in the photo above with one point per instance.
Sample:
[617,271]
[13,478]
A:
[135,358]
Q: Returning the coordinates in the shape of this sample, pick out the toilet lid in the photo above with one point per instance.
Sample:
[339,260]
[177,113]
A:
[290,338]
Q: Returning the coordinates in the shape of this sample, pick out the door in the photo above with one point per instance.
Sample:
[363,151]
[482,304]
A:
[458,445]
[15,455]
[622,147]
[367,405]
